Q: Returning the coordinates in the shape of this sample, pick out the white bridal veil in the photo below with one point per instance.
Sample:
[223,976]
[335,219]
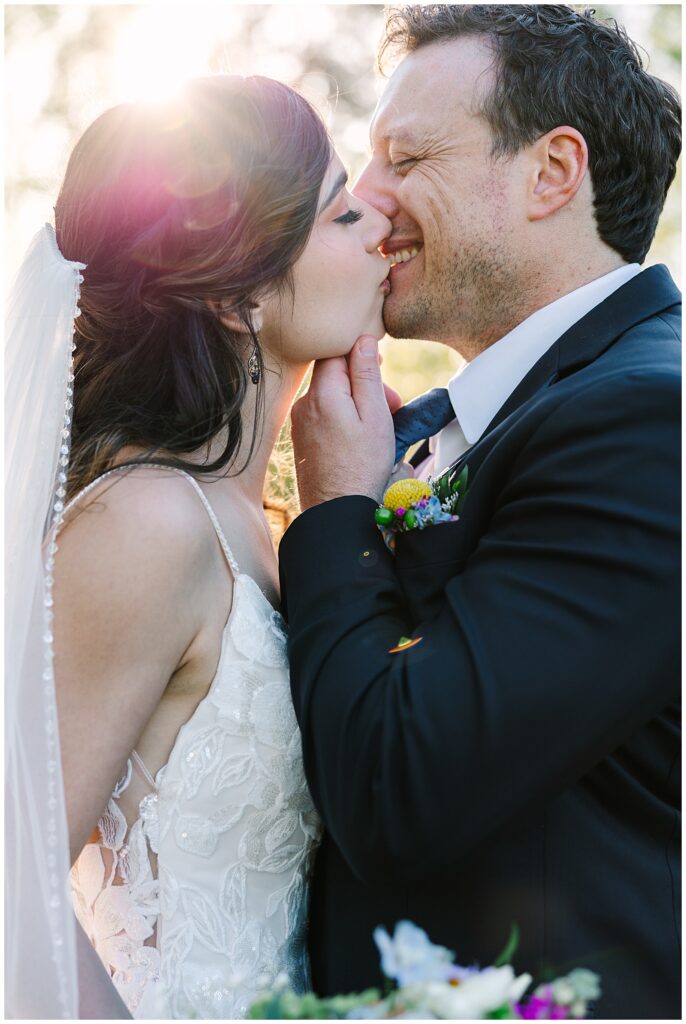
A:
[40,947]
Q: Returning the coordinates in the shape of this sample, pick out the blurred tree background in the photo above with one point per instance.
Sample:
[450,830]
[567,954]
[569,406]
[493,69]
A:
[66,63]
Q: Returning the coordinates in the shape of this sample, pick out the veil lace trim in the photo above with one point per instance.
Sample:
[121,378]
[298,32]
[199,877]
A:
[40,933]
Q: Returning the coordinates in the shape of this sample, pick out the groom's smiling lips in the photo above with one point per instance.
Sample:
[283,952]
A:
[401,249]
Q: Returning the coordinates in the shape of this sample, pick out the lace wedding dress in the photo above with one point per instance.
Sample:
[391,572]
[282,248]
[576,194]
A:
[194,888]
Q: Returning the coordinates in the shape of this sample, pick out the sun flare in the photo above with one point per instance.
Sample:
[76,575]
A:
[158,48]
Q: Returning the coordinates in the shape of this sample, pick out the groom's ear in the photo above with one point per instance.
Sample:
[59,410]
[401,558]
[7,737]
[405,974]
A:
[560,163]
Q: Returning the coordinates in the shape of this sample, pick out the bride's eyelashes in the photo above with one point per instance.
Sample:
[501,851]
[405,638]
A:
[349,217]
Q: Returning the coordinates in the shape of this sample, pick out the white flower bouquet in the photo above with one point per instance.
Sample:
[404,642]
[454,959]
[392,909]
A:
[425,983]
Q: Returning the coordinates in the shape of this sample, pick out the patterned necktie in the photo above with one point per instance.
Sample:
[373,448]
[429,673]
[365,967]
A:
[421,418]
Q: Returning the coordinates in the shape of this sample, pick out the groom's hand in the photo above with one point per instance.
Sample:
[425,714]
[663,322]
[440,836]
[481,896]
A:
[342,428]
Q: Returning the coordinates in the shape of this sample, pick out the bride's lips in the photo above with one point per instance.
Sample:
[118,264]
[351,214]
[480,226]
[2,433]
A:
[385,285]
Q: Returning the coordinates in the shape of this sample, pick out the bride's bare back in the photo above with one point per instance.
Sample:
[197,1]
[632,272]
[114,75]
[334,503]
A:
[205,829]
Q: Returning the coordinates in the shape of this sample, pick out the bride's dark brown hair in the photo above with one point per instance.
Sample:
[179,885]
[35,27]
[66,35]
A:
[203,204]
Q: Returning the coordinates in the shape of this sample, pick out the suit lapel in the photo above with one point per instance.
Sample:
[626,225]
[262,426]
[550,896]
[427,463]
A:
[649,293]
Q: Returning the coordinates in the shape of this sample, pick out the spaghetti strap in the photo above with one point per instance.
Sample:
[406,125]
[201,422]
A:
[140,764]
[233,564]
[213,519]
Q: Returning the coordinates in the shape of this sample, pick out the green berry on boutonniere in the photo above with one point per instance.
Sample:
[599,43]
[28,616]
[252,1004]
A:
[383,517]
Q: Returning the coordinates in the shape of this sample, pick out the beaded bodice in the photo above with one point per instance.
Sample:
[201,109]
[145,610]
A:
[198,898]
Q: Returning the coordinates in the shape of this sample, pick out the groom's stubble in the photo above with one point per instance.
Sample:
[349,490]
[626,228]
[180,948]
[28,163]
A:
[467,299]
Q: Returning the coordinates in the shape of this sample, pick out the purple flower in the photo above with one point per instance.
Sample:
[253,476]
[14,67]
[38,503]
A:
[542,1006]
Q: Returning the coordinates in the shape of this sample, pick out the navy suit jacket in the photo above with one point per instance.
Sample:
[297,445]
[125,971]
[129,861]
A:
[521,762]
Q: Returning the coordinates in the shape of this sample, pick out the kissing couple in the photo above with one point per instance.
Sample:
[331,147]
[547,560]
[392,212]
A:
[246,767]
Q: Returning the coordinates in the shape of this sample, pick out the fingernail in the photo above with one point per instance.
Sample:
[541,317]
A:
[369,346]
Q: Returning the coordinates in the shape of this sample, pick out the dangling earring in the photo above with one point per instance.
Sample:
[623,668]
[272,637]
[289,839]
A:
[254,365]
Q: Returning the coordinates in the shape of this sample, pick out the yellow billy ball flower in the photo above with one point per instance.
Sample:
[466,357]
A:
[403,493]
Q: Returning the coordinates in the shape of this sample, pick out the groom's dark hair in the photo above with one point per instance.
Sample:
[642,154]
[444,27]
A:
[557,66]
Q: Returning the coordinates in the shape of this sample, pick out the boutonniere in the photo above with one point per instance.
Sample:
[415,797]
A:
[415,504]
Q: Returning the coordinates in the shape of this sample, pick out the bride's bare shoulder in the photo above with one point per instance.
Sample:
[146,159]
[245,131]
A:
[145,521]
[142,495]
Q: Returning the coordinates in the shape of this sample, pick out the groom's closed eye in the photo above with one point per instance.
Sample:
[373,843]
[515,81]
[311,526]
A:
[402,166]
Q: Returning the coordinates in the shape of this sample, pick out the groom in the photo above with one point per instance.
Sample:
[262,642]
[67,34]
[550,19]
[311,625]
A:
[519,763]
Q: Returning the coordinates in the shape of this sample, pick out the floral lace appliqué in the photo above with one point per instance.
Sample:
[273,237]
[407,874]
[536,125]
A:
[234,831]
[116,897]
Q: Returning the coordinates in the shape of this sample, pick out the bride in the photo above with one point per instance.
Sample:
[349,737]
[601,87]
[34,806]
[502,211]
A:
[218,253]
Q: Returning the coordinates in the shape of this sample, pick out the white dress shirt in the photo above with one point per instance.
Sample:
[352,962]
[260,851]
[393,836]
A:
[483,386]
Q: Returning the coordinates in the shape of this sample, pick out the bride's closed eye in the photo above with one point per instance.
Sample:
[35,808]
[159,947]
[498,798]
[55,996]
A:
[349,217]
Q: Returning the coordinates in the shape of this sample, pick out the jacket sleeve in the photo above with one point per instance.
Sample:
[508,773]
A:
[553,644]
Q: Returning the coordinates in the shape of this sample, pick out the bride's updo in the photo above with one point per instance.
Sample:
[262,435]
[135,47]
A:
[202,204]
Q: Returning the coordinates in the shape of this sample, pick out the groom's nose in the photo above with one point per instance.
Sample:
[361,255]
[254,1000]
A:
[371,188]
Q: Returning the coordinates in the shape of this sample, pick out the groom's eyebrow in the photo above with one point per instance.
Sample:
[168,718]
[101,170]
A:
[390,135]
[341,180]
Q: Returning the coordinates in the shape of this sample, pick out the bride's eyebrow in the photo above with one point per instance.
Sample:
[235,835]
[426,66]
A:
[341,180]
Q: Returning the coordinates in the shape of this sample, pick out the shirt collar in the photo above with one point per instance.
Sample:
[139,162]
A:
[481,387]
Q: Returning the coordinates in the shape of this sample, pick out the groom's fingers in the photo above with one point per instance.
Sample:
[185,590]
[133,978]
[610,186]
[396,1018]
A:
[334,373]
[365,378]
[342,429]
[393,399]
[330,376]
